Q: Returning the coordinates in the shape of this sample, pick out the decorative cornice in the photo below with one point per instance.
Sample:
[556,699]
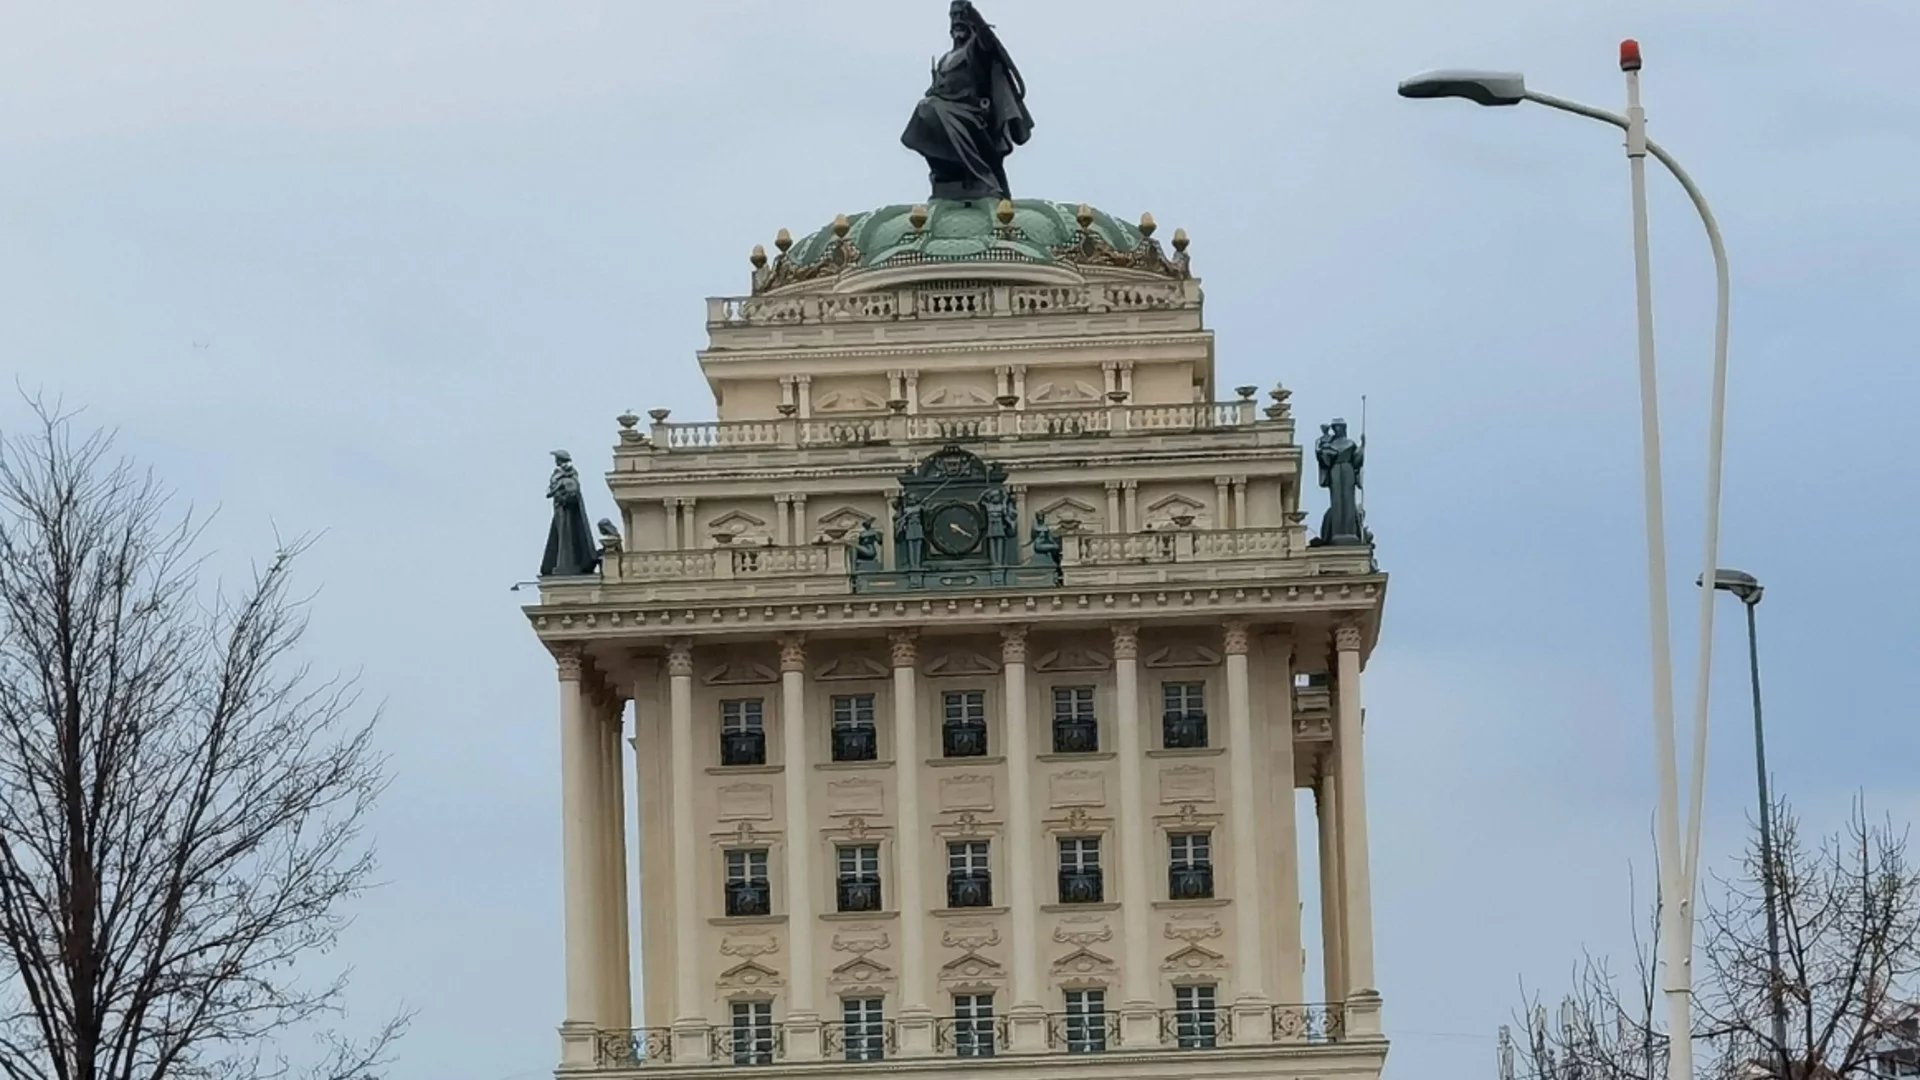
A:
[1032,344]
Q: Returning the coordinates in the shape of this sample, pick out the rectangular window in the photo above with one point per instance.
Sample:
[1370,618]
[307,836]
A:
[1183,719]
[1086,1021]
[973,1025]
[963,729]
[1080,881]
[969,881]
[743,735]
[1194,1017]
[748,892]
[753,1033]
[863,1029]
[1075,730]
[859,878]
[854,735]
[1190,866]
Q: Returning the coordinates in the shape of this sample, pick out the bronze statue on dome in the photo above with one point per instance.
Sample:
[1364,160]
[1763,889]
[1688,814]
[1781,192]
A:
[974,112]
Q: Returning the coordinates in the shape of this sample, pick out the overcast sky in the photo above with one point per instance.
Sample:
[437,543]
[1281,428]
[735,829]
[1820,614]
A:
[357,267]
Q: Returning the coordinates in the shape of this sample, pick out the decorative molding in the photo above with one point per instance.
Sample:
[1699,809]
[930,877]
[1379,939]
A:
[850,666]
[1082,931]
[856,797]
[567,662]
[973,791]
[1013,645]
[1077,787]
[793,653]
[1235,637]
[903,649]
[1126,641]
[861,973]
[749,976]
[972,969]
[745,802]
[1186,784]
[956,397]
[861,940]
[739,523]
[745,835]
[1073,658]
[680,659]
[1078,820]
[968,824]
[1192,927]
[1193,960]
[1083,964]
[970,936]
[738,670]
[858,399]
[1347,638]
[843,517]
[962,663]
[1183,655]
[747,948]
[1064,392]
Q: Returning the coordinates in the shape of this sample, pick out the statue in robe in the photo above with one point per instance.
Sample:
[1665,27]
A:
[1046,545]
[571,547]
[973,115]
[1003,527]
[1342,462]
[866,548]
[909,533]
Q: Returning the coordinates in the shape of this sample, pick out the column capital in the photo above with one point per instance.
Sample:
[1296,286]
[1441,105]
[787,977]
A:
[1236,637]
[905,647]
[680,659]
[793,652]
[1013,645]
[1222,481]
[1126,641]
[1114,485]
[1347,638]
[1129,485]
[568,662]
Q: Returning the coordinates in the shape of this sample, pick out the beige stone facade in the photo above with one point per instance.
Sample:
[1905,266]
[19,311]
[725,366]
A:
[935,818]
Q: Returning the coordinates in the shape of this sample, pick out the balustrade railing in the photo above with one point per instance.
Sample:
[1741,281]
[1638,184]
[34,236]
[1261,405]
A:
[1176,546]
[637,1046]
[1310,1023]
[728,562]
[948,301]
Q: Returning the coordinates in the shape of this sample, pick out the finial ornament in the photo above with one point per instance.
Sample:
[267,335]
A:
[918,218]
[1147,224]
[841,226]
[1084,216]
[759,257]
[973,114]
[783,240]
[1180,241]
[1004,212]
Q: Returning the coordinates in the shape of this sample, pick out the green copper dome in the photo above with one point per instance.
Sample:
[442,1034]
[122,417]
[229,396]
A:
[943,233]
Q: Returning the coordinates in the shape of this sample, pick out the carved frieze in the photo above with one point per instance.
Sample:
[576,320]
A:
[1182,655]
[852,666]
[1186,784]
[972,970]
[746,802]
[861,973]
[861,940]
[972,791]
[1073,658]
[737,669]
[1194,960]
[1077,787]
[1192,927]
[1082,930]
[962,663]
[748,946]
[1083,964]
[855,798]
[970,936]
[750,975]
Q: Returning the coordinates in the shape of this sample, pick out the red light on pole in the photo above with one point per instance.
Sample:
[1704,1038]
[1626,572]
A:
[1629,55]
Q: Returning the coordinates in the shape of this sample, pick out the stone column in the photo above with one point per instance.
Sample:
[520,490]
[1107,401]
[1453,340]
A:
[1139,1018]
[672,507]
[619,1012]
[1287,990]
[689,1002]
[1132,490]
[1028,1018]
[1126,379]
[1363,999]
[690,523]
[802,531]
[1020,385]
[803,1017]
[916,1018]
[581,862]
[782,531]
[803,395]
[913,392]
[1109,372]
[1326,805]
[1240,520]
[1250,1006]
[1223,503]
[1115,523]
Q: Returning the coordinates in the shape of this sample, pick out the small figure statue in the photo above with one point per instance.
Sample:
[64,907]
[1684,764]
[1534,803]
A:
[1003,528]
[1342,463]
[974,112]
[910,532]
[610,539]
[571,550]
[866,548]
[1046,546]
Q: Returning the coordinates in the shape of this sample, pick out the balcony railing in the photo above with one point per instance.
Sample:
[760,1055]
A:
[970,1036]
[743,747]
[1183,731]
[1177,546]
[963,740]
[1078,736]
[858,894]
[732,563]
[749,898]
[1310,1023]
[855,742]
[640,1046]
[1081,886]
[874,1040]
[947,302]
[969,889]
[1083,1032]
[862,1040]
[880,429]
[1190,882]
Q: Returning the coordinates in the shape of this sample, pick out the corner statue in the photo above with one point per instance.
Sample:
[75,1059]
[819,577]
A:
[1341,463]
[974,114]
[571,549]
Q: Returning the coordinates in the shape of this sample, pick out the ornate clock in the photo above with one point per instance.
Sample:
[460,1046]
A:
[955,529]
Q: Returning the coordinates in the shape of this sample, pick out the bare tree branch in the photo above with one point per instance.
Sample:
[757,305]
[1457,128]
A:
[181,804]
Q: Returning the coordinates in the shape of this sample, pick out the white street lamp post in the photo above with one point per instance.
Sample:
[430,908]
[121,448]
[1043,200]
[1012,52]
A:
[1677,866]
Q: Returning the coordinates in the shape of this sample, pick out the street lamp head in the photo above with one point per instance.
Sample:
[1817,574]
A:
[1744,586]
[1479,87]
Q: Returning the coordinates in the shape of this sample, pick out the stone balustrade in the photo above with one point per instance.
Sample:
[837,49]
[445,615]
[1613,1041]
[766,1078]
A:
[729,563]
[951,302]
[871,429]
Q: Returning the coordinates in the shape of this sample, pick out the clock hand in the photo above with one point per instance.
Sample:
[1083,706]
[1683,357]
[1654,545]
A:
[955,526]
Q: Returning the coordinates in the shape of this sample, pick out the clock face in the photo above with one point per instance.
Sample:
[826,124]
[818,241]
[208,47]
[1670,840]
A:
[954,529]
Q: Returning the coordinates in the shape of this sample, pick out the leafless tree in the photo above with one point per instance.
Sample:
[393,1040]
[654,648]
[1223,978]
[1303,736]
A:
[1849,918]
[181,805]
